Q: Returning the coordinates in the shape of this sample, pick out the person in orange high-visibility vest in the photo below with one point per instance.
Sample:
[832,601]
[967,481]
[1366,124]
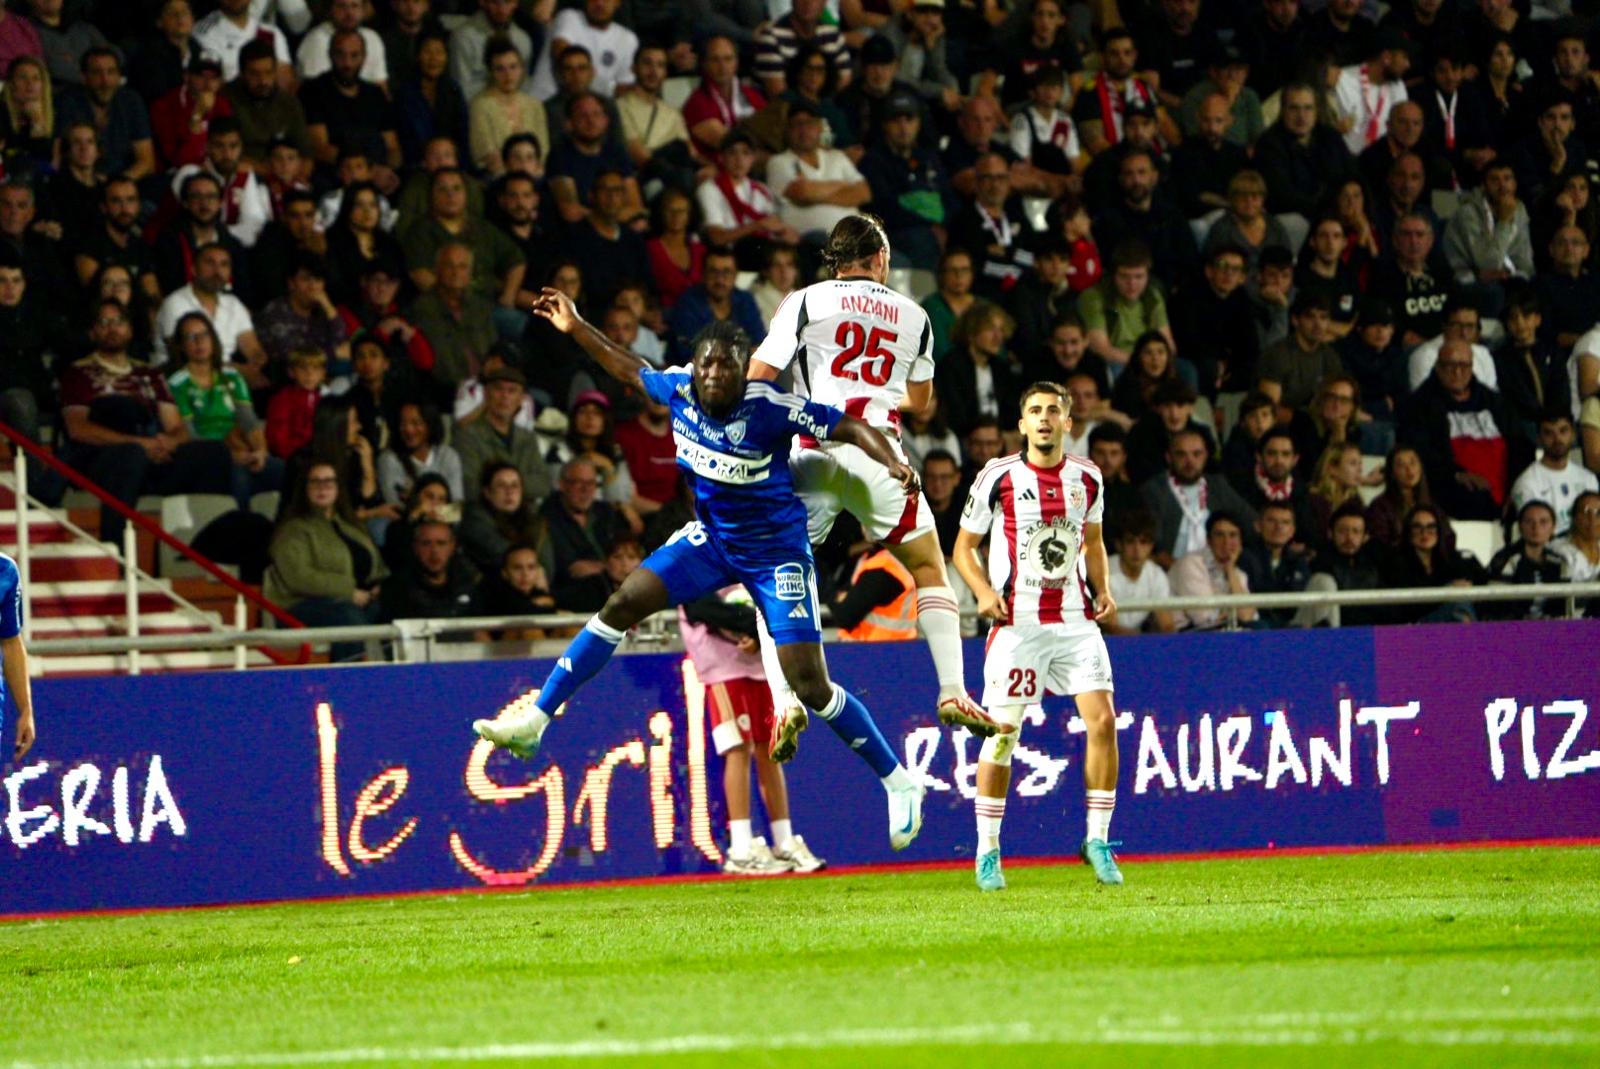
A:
[881,604]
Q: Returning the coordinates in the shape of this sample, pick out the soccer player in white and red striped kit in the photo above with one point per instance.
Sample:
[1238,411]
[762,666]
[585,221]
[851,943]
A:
[857,345]
[1046,585]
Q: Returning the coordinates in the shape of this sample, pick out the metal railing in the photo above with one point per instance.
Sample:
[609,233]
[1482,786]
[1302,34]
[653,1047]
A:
[415,640]
[135,521]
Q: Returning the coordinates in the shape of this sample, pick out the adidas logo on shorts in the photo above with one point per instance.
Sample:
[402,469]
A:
[799,613]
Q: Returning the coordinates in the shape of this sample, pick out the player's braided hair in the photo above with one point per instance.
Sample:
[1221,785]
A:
[727,335]
[855,240]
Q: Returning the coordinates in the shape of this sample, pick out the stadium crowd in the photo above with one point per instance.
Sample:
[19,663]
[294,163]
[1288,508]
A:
[286,246]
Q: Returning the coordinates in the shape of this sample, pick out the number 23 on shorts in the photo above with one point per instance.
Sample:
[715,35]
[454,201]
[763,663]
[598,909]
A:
[1022,683]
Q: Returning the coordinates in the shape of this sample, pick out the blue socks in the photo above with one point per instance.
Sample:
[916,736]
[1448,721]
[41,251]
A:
[850,721]
[587,654]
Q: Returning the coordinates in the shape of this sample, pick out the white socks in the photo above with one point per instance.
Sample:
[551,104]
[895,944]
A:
[939,617]
[782,696]
[898,780]
[991,811]
[1100,804]
[739,838]
[782,832]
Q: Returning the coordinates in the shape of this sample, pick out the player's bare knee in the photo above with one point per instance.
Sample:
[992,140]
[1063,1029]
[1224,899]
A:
[1100,719]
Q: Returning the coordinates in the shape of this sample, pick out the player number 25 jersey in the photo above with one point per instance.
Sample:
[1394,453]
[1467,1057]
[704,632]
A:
[855,345]
[1034,518]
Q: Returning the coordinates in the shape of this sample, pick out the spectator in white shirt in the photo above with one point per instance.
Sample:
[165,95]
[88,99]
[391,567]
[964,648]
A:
[611,45]
[1135,577]
[213,267]
[735,207]
[816,186]
[1213,572]
[229,28]
[1554,478]
[343,15]
[1365,94]
[1461,323]
[246,201]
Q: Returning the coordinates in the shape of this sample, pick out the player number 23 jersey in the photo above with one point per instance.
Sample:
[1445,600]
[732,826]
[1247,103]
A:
[1034,518]
[854,344]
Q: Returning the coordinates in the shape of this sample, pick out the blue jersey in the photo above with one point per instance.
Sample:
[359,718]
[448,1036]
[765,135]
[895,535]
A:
[10,610]
[744,494]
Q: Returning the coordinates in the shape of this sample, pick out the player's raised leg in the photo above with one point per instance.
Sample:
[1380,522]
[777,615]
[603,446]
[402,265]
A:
[939,618]
[1099,782]
[994,780]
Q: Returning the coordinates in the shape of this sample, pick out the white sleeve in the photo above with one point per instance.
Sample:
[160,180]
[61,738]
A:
[783,334]
[625,57]
[568,23]
[977,516]
[922,363]
[714,209]
[781,170]
[1483,367]
[1421,364]
[1074,149]
[313,59]
[1021,143]
[295,14]
[376,68]
[280,44]
[1097,511]
[845,168]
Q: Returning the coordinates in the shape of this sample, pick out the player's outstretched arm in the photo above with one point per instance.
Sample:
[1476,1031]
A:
[1099,567]
[871,441]
[619,363]
[14,656]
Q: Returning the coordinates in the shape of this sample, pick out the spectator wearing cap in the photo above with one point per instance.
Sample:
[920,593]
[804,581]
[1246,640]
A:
[472,393]
[1106,98]
[1415,281]
[1458,426]
[457,320]
[305,318]
[495,436]
[1205,163]
[1461,323]
[1213,323]
[1291,369]
[1171,412]
[715,299]
[816,187]
[1303,161]
[267,112]
[1372,356]
[1227,74]
[246,203]
[180,121]
[995,231]
[722,100]
[870,100]
[1487,241]
[591,436]
[910,192]
[738,211]
[116,112]
[1547,155]
[780,41]
[578,528]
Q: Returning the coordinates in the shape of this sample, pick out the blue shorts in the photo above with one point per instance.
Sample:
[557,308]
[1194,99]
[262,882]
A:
[784,587]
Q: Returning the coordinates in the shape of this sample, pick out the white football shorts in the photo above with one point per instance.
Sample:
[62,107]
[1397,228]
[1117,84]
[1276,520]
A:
[840,477]
[1024,662]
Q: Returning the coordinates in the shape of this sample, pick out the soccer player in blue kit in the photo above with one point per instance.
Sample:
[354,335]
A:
[14,656]
[733,435]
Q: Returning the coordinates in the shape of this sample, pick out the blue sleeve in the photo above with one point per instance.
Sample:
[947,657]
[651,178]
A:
[10,599]
[823,417]
[661,385]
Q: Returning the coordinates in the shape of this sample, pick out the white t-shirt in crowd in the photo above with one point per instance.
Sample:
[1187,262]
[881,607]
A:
[1151,584]
[1423,357]
[216,34]
[1365,105]
[1558,489]
[832,166]
[611,49]
[715,209]
[231,321]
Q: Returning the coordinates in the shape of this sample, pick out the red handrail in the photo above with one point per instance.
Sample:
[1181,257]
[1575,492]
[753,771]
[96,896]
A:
[144,523]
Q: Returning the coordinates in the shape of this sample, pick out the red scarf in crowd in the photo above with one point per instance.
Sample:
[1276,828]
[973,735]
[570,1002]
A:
[1113,104]
[742,212]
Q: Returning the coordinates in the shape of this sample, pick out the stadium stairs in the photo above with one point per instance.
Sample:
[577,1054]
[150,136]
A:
[78,589]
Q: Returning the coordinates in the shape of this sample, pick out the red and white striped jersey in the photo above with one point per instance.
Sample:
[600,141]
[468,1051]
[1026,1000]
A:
[1034,518]
[854,344]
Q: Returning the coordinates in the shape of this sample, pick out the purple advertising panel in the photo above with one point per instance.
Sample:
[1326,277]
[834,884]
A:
[235,787]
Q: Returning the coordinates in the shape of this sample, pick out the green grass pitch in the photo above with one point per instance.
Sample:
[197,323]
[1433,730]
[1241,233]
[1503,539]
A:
[1471,957]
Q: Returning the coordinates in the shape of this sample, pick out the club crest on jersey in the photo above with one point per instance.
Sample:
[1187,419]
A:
[1051,548]
[735,431]
[1075,496]
[789,582]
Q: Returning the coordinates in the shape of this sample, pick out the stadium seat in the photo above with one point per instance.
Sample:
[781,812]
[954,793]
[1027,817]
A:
[267,503]
[184,516]
[1481,538]
[675,91]
[920,284]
